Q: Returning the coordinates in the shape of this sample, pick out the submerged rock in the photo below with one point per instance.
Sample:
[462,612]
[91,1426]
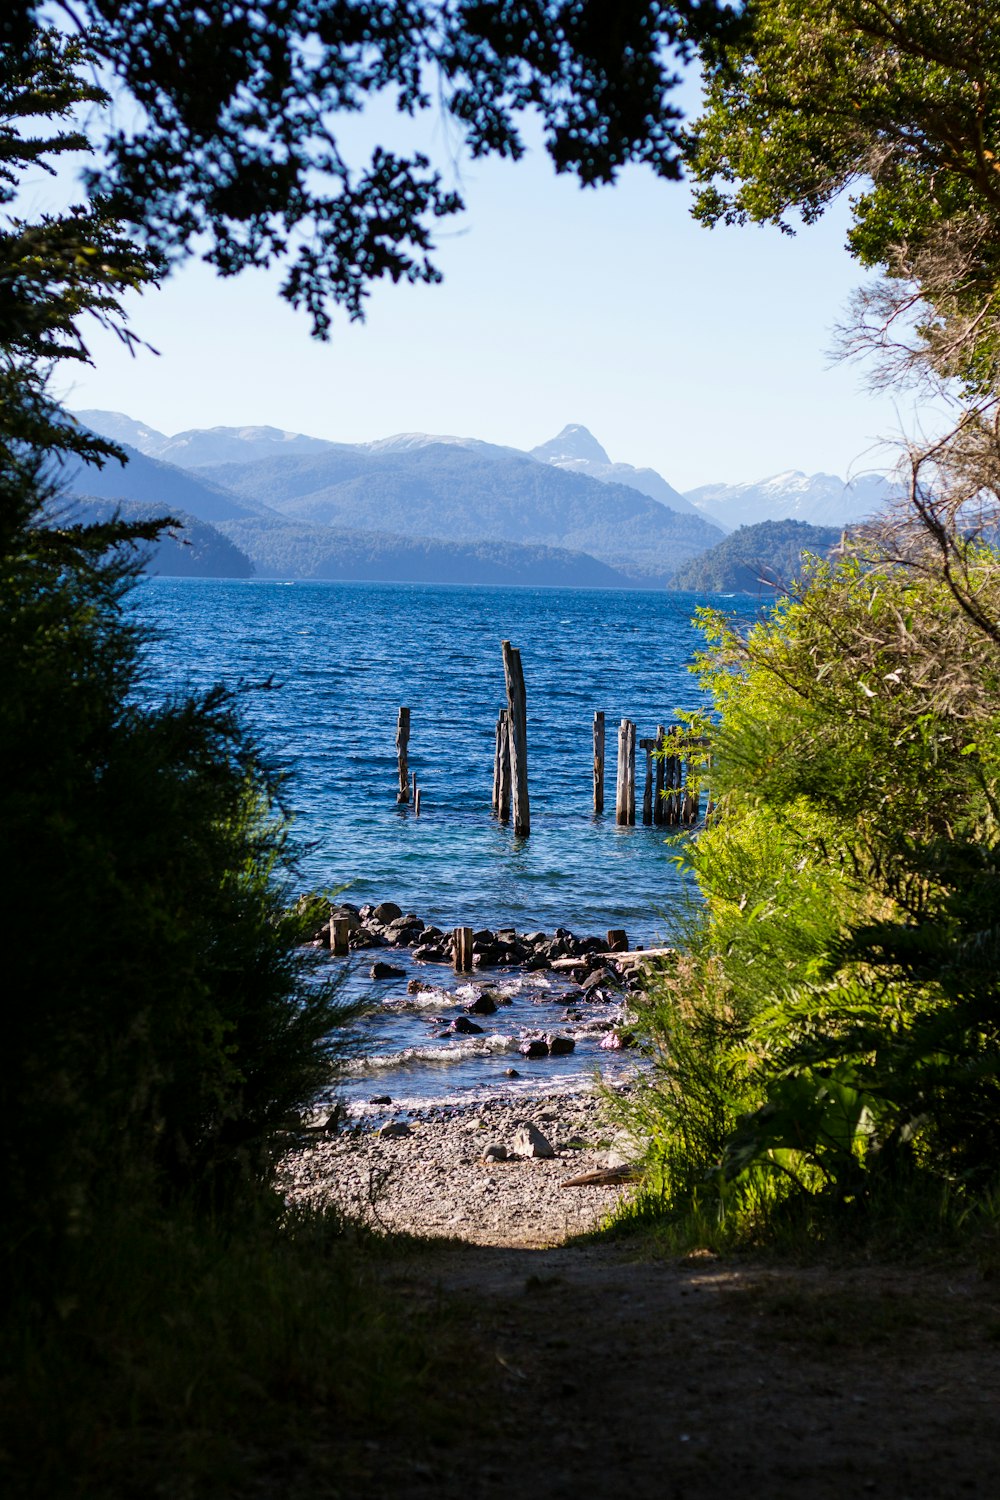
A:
[382,970]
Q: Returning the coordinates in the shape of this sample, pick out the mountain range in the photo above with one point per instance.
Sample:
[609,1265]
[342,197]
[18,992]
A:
[432,507]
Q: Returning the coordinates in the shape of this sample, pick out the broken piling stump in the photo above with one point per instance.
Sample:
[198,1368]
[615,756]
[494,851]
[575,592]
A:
[518,718]
[402,740]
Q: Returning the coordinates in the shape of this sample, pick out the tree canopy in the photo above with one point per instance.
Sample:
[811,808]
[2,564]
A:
[901,103]
[226,137]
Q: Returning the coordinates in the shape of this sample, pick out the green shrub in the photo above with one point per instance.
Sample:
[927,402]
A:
[834,1035]
[163,1027]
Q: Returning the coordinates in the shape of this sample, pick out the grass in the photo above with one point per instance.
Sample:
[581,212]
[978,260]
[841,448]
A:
[174,1359]
[923,1221]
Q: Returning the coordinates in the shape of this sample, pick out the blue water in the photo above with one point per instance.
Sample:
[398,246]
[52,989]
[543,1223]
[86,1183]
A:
[343,657]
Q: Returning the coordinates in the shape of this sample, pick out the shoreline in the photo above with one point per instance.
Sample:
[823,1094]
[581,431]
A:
[468,1171]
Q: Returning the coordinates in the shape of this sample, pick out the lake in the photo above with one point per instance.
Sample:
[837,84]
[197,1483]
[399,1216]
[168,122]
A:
[342,658]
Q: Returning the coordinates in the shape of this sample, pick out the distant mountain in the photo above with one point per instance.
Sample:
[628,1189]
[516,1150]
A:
[472,494]
[200,446]
[158,483]
[296,549]
[821,499]
[195,549]
[756,559]
[578,451]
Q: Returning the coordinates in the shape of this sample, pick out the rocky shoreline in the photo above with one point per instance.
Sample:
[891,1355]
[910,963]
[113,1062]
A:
[503,1172]
[385,925]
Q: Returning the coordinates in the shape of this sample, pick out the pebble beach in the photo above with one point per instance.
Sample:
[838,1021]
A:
[480,1173]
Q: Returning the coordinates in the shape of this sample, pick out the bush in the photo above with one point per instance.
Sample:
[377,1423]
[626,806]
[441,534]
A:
[834,1036]
[164,1030]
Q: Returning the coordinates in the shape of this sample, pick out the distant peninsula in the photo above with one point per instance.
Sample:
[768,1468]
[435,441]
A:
[758,559]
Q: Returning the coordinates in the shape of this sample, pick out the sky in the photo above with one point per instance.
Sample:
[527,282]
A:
[702,354]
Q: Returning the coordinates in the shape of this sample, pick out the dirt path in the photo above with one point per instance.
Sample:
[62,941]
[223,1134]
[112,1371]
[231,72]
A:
[584,1371]
[705,1381]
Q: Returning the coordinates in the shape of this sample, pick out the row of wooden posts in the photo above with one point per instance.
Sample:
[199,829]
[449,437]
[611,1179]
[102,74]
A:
[463,941]
[670,797]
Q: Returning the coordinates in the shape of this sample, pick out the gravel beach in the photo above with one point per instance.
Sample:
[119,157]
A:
[471,1172]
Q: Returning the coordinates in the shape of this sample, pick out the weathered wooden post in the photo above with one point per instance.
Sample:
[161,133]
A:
[402,740]
[416,800]
[625,791]
[463,950]
[659,806]
[340,931]
[647,794]
[598,763]
[518,738]
[501,768]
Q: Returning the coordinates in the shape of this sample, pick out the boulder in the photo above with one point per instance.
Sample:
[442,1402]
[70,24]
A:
[385,912]
[495,1153]
[382,970]
[431,953]
[466,1027]
[349,914]
[598,978]
[483,1005]
[559,1046]
[395,1130]
[536,1047]
[529,1141]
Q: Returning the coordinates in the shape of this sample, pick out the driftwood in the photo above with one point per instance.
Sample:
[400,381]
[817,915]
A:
[603,1177]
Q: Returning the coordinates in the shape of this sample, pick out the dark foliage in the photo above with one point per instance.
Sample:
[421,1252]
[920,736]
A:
[161,1033]
[234,143]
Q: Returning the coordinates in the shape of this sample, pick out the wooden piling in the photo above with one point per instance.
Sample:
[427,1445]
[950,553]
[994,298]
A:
[647,794]
[598,763]
[659,806]
[625,791]
[416,801]
[501,767]
[518,736]
[463,950]
[340,931]
[402,740]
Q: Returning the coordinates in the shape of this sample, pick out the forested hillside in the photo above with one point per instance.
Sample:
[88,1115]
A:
[756,559]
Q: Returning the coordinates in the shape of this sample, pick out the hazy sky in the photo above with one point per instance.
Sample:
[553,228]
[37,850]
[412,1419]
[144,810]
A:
[701,354]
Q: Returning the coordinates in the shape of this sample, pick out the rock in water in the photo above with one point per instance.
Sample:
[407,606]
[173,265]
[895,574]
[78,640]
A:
[559,1046]
[529,1141]
[380,970]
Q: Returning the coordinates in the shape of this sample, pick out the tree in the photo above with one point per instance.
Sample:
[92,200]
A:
[229,134]
[835,1030]
[164,1031]
[812,97]
[62,269]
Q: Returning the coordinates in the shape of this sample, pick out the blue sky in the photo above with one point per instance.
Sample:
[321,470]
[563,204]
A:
[703,354]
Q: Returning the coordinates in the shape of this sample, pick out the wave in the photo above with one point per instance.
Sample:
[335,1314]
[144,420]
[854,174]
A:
[445,1055]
